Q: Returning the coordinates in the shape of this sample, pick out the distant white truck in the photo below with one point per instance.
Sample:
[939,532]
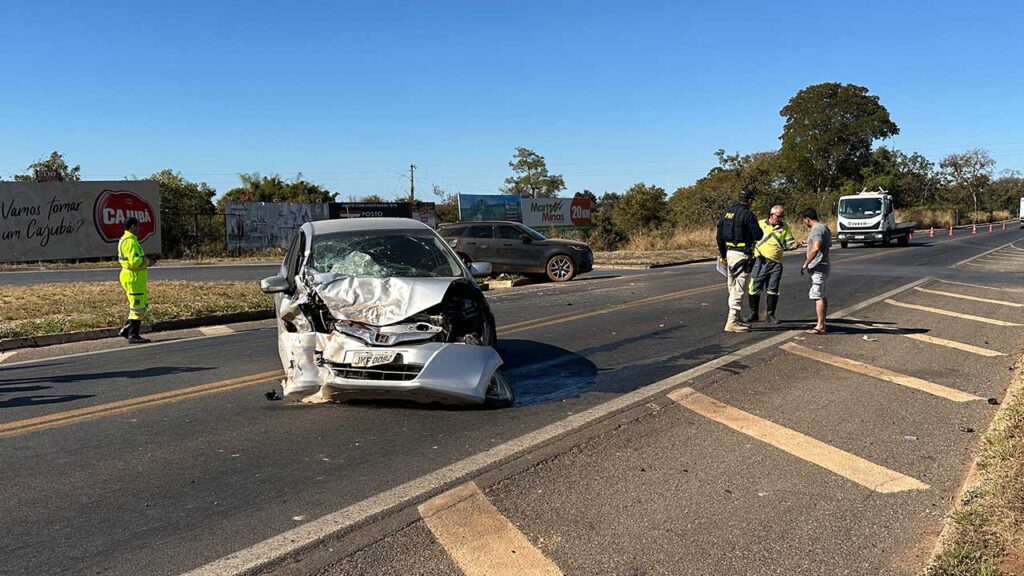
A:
[869,218]
[1021,212]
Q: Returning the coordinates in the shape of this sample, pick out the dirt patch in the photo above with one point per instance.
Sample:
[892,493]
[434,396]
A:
[645,259]
[65,307]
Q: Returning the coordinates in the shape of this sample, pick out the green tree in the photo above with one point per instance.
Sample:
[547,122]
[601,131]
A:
[588,195]
[189,223]
[604,235]
[531,177]
[1005,192]
[447,204]
[912,179]
[52,169]
[704,202]
[372,198]
[828,135]
[257,188]
[968,174]
[642,208]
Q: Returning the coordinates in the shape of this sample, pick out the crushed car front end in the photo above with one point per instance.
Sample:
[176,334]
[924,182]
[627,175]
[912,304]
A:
[359,332]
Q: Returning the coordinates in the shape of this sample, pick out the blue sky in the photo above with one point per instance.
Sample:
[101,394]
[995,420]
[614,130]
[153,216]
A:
[611,93]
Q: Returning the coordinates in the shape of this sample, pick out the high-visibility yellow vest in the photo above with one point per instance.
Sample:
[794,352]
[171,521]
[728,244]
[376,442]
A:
[776,240]
[130,254]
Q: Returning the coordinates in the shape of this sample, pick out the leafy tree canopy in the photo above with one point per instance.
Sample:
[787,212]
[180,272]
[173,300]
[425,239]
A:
[530,176]
[642,208]
[257,188]
[52,169]
[828,134]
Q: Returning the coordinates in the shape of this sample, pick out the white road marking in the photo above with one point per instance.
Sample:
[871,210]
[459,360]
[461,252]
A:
[973,258]
[216,330]
[863,472]
[5,355]
[992,321]
[954,344]
[1000,288]
[967,297]
[881,373]
[479,539]
[276,547]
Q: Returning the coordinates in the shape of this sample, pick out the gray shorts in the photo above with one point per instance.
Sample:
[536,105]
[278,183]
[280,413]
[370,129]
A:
[765,277]
[818,278]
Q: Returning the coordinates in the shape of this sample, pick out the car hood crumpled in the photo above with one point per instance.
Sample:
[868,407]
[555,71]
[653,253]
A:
[378,301]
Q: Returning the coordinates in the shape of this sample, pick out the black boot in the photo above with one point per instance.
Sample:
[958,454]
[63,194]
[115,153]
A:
[126,330]
[755,307]
[134,338]
[773,301]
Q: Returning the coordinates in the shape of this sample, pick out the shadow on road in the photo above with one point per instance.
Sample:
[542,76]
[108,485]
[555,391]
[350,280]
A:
[544,373]
[154,372]
[22,401]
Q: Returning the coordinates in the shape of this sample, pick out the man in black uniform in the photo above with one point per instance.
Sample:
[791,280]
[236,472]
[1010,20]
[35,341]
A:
[738,232]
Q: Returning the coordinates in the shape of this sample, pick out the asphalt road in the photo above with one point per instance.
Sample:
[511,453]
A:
[161,459]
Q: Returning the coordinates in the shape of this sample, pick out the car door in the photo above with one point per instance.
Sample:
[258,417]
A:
[478,243]
[518,255]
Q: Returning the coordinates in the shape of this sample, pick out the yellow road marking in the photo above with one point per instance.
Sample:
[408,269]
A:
[966,297]
[986,253]
[479,539]
[863,472]
[541,322]
[954,344]
[953,314]
[881,373]
[216,330]
[24,426]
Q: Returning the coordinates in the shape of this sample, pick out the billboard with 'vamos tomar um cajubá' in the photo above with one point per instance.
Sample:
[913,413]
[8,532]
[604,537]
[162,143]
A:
[74,220]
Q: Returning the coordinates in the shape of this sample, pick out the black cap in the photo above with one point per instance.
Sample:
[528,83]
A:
[746,195]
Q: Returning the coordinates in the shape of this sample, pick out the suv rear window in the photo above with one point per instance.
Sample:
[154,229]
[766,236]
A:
[452,230]
[480,231]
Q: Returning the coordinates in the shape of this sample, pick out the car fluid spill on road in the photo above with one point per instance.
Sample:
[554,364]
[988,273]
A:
[543,373]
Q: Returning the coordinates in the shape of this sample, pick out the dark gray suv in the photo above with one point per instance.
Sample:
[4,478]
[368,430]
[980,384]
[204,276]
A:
[513,247]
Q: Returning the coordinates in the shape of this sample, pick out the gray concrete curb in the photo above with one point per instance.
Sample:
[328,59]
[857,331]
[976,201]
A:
[651,266]
[7,344]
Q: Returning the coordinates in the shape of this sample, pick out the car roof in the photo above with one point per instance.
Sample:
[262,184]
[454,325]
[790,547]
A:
[472,222]
[363,224]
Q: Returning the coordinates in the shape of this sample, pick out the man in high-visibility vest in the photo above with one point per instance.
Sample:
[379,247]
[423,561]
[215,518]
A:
[766,276]
[133,279]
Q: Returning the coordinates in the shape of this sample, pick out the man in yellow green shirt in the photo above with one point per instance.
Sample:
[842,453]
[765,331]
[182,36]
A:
[134,276]
[766,276]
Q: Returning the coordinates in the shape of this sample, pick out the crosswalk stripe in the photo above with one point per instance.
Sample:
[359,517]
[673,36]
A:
[954,344]
[479,539]
[983,254]
[999,288]
[881,373]
[953,314]
[863,472]
[967,297]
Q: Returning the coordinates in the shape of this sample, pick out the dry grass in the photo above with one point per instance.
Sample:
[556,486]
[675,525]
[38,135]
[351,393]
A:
[55,308]
[927,218]
[987,535]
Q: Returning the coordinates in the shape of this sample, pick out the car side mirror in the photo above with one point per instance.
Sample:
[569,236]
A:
[525,238]
[480,269]
[275,285]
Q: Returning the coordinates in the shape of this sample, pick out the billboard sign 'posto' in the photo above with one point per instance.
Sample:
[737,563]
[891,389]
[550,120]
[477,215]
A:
[72,220]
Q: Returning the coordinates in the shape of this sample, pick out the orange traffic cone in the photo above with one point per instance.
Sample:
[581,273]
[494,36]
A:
[974,229]
[989,227]
[910,236]
[1004,225]
[950,229]
[931,233]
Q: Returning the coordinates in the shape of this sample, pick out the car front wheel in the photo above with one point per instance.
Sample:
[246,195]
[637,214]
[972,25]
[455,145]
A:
[500,393]
[560,268]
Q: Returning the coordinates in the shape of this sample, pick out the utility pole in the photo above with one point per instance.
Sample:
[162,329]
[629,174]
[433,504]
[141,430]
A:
[412,183]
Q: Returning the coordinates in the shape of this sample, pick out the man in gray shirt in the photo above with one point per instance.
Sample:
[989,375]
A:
[819,240]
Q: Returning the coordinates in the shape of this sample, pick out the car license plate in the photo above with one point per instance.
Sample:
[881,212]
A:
[372,358]
[859,237]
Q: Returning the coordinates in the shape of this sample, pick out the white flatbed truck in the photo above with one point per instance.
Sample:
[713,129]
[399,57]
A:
[869,218]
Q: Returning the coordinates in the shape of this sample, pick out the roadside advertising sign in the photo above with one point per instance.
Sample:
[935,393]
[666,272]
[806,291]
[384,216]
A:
[73,220]
[369,210]
[549,212]
[259,225]
[477,207]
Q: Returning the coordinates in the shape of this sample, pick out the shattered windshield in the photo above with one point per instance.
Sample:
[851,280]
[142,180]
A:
[383,254]
[860,207]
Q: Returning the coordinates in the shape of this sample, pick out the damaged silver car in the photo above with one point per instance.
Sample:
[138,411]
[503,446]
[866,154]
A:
[372,308]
